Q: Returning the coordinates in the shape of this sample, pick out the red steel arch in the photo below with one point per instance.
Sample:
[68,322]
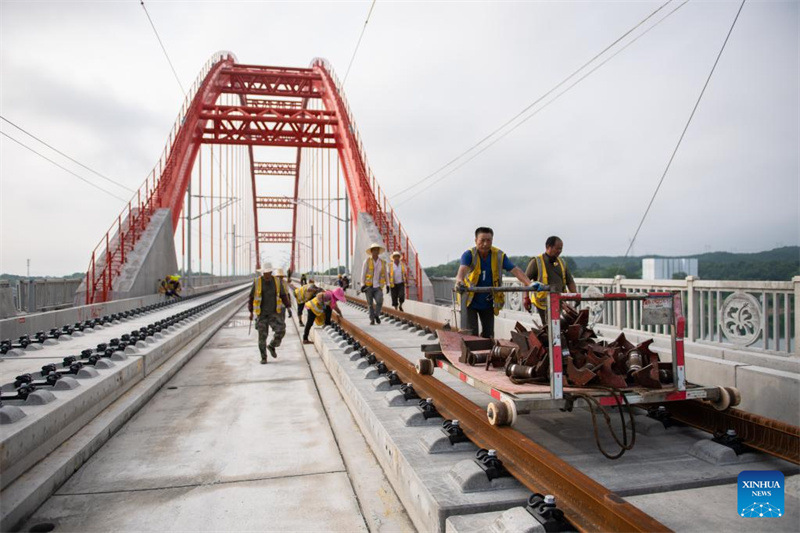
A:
[256,121]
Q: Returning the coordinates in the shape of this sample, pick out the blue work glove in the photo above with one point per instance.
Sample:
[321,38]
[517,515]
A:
[538,286]
[460,287]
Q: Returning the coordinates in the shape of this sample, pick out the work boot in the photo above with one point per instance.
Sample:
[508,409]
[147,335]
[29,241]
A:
[272,351]
[378,319]
[263,359]
[306,341]
[301,323]
[401,307]
[371,321]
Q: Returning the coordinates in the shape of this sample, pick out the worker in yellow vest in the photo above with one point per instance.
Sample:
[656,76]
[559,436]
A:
[483,266]
[321,308]
[268,297]
[397,280]
[373,280]
[549,269]
[304,294]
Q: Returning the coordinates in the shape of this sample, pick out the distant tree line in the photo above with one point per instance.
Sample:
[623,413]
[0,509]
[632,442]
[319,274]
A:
[780,264]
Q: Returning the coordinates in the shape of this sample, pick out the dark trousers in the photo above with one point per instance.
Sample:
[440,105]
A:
[300,311]
[310,317]
[543,316]
[487,321]
[398,294]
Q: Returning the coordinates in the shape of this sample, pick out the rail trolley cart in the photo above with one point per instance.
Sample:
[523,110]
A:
[511,400]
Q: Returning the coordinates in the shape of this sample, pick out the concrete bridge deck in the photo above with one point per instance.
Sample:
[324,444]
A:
[231,444]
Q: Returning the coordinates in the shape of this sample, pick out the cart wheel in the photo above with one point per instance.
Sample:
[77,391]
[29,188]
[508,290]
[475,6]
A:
[736,397]
[424,367]
[502,413]
[724,400]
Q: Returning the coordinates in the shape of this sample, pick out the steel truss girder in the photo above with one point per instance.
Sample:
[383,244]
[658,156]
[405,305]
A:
[269,126]
[303,83]
[274,202]
[276,104]
[263,168]
[275,237]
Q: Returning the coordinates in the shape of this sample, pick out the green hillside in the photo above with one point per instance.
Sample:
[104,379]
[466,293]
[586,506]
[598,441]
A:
[780,264]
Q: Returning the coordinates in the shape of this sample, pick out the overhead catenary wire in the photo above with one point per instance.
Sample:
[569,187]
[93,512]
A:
[163,48]
[358,43]
[532,104]
[53,148]
[683,133]
[4,134]
[535,112]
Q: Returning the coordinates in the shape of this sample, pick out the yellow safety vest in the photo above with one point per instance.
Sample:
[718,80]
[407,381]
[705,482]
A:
[302,293]
[371,272]
[391,273]
[317,306]
[540,298]
[498,258]
[257,296]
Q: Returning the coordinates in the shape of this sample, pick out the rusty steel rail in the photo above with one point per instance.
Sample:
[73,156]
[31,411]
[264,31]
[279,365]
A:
[764,434]
[588,505]
[427,324]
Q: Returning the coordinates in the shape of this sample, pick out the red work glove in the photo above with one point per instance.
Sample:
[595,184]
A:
[526,303]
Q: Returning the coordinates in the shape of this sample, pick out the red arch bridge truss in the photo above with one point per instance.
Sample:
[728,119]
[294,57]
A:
[216,188]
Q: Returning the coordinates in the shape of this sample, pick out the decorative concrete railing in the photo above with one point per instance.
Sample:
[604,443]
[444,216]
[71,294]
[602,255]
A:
[760,316]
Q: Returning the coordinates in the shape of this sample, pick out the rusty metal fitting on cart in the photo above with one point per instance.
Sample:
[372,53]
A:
[521,371]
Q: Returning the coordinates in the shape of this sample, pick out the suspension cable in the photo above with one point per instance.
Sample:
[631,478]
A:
[529,106]
[4,134]
[545,105]
[683,133]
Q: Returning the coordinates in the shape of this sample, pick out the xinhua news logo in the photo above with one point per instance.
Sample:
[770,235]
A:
[761,494]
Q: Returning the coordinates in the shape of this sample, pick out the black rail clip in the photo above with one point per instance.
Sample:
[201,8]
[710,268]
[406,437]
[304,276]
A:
[661,414]
[453,430]
[544,510]
[731,440]
[382,368]
[491,464]
[393,378]
[428,409]
[408,391]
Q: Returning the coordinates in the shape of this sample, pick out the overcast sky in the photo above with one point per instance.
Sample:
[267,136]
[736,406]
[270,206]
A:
[430,80]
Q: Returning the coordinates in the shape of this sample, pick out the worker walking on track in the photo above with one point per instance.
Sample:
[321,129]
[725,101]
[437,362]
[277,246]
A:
[321,308]
[268,296]
[373,268]
[549,269]
[397,280]
[305,294]
[482,266]
[281,275]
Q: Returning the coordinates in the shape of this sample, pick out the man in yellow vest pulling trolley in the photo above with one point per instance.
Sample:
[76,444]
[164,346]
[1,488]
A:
[482,266]
[549,269]
[267,300]
[373,280]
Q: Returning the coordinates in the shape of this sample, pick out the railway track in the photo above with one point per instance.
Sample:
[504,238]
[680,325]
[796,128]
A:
[588,505]
[764,434]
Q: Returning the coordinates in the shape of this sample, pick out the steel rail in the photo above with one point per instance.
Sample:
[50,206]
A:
[588,505]
[767,435]
[427,324]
